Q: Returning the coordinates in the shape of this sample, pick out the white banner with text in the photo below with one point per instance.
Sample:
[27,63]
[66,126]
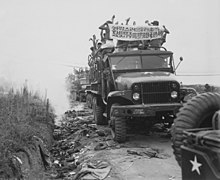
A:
[134,33]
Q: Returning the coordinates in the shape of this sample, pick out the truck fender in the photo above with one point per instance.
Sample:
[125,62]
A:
[117,97]
[115,93]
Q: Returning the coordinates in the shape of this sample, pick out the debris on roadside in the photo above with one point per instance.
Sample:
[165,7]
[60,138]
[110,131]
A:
[100,132]
[100,146]
[80,142]
[96,170]
[147,152]
[73,139]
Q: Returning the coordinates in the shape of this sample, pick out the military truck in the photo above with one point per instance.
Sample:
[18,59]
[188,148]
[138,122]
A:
[133,81]
[196,137]
[81,94]
[81,89]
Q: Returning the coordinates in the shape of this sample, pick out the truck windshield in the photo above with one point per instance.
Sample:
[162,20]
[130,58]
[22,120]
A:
[149,62]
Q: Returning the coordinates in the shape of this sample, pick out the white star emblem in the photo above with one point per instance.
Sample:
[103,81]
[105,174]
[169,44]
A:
[196,165]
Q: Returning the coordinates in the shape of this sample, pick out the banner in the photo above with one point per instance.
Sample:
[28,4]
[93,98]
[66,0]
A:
[134,33]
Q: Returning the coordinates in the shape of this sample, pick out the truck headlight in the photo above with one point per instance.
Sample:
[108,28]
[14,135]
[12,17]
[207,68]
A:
[136,96]
[174,94]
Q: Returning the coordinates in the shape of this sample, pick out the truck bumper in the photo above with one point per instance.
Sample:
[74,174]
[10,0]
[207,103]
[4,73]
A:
[144,110]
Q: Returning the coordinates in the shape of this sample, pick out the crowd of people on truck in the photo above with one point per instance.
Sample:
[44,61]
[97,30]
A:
[106,42]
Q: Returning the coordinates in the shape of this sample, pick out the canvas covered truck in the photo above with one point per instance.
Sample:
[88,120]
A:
[133,79]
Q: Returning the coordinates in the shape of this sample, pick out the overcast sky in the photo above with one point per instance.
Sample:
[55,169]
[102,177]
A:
[39,37]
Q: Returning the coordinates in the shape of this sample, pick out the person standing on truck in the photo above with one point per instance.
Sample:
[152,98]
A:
[105,37]
[99,44]
[165,34]
[98,47]
[157,43]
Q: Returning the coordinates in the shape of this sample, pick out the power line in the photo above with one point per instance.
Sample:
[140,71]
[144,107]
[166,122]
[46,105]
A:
[198,75]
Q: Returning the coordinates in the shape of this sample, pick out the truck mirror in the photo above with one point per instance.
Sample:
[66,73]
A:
[181,59]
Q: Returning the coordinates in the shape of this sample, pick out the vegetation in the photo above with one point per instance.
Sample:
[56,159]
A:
[204,88]
[24,118]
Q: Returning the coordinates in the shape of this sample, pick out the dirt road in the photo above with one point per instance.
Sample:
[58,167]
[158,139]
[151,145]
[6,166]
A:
[96,156]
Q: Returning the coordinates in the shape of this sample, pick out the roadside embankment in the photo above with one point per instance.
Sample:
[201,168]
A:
[26,135]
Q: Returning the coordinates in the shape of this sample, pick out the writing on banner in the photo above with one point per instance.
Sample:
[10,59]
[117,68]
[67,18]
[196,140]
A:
[133,33]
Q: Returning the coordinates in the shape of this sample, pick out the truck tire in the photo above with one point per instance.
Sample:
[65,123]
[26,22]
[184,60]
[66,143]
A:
[120,129]
[88,102]
[98,113]
[196,113]
[118,125]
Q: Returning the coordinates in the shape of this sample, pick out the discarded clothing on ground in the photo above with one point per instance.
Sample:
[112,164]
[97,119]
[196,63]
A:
[94,171]
[147,152]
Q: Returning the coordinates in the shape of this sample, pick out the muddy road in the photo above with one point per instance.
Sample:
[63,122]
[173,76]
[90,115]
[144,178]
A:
[84,150]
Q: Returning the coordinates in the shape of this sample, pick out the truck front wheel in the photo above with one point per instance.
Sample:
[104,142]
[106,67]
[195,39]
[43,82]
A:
[196,113]
[118,126]
[120,129]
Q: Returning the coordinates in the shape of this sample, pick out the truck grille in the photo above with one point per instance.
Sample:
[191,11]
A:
[158,92]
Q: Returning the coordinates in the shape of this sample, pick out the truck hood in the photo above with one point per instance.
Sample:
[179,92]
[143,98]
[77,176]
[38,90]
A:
[125,80]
